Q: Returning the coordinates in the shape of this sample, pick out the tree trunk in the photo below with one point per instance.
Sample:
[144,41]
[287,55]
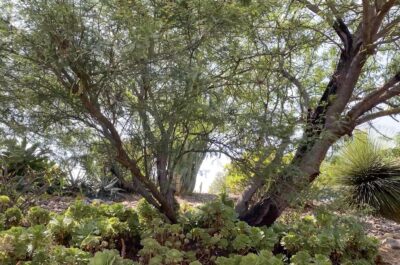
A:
[303,170]
[242,204]
[265,211]
[162,199]
[324,126]
[164,181]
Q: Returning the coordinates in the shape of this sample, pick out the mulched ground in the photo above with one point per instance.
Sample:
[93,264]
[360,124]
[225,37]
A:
[385,229]
[378,227]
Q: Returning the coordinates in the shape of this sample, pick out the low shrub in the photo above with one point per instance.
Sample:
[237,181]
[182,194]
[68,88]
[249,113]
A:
[37,215]
[5,202]
[371,177]
[340,238]
[107,257]
[13,216]
[210,234]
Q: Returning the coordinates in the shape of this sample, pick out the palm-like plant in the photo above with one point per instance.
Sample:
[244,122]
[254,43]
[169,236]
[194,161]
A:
[26,168]
[373,178]
[18,159]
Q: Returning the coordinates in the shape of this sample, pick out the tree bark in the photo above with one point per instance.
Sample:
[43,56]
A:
[166,187]
[296,177]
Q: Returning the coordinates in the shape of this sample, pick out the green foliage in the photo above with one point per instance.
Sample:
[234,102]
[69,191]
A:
[214,229]
[173,121]
[238,173]
[109,257]
[61,228]
[80,210]
[236,178]
[18,159]
[5,202]
[373,178]
[194,64]
[37,215]
[93,227]
[14,245]
[18,244]
[26,169]
[264,257]
[330,236]
[216,215]
[210,234]
[13,216]
[211,229]
[61,255]
[146,212]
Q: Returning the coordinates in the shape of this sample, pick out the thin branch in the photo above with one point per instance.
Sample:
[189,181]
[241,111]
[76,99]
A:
[374,98]
[383,32]
[338,24]
[370,117]
[303,93]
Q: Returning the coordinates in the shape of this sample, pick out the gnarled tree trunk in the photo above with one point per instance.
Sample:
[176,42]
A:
[332,118]
[296,177]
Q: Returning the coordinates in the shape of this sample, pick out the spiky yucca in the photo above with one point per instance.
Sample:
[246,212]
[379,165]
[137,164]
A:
[373,178]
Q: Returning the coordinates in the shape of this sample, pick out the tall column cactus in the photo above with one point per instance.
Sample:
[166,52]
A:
[187,167]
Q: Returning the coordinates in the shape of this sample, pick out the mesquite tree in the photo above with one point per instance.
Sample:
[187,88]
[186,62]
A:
[364,85]
[139,74]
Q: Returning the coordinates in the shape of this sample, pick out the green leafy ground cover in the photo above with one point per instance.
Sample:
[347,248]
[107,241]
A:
[102,234]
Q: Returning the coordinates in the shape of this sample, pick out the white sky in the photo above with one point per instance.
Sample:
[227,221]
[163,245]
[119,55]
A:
[386,126]
[212,166]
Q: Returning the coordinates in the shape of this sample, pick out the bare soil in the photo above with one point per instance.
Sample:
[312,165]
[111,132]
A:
[382,229]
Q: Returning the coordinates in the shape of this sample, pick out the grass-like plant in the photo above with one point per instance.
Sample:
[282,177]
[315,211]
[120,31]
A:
[372,177]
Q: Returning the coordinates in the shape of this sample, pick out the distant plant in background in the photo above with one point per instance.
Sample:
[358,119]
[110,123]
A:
[218,185]
[236,178]
[236,175]
[325,191]
[373,178]
[25,168]
[17,159]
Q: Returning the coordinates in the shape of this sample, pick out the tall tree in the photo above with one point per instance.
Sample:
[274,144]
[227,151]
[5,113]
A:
[364,85]
[140,74]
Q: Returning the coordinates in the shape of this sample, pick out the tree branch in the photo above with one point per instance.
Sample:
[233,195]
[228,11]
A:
[303,93]
[372,116]
[377,22]
[338,24]
[383,32]
[374,98]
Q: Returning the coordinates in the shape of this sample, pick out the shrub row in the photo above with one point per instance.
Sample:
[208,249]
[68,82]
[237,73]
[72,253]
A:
[103,234]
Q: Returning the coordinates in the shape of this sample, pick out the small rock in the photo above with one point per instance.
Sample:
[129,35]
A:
[393,243]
